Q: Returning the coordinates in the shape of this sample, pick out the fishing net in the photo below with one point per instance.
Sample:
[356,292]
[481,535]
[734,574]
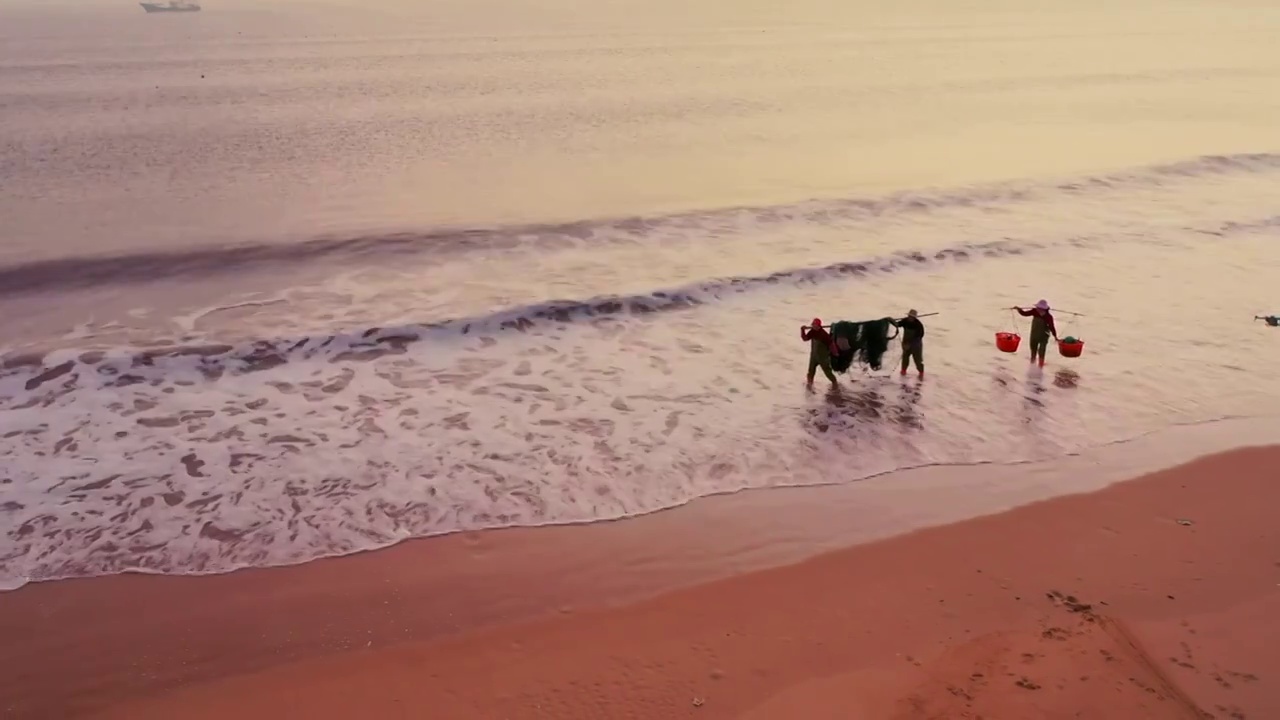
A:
[865,342]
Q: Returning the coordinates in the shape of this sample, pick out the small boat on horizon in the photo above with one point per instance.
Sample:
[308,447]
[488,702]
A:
[172,6]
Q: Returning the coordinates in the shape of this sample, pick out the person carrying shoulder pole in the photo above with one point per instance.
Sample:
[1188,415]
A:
[1042,327]
[912,341]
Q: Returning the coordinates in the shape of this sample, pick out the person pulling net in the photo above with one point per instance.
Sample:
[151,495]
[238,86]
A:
[912,341]
[821,349]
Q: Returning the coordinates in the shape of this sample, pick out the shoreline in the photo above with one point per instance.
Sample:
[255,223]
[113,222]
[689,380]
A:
[1108,463]
[131,637]
[1153,598]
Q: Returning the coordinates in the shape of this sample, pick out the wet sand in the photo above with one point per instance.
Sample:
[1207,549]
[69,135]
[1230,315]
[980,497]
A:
[1154,598]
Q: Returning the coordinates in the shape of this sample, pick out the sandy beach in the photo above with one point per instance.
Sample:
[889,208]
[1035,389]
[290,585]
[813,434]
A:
[1154,598]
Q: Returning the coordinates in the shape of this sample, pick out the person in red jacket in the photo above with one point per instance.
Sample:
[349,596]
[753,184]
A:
[821,348]
[1041,328]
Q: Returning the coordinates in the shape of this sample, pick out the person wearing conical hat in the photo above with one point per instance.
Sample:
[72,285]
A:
[1042,326]
[912,341]
[820,350]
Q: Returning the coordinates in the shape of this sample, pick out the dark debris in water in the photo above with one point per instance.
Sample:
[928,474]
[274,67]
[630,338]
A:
[51,374]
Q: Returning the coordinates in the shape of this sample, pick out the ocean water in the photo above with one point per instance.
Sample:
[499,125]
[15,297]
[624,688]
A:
[289,282]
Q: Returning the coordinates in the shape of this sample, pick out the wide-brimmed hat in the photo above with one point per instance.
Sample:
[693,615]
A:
[912,313]
[1042,305]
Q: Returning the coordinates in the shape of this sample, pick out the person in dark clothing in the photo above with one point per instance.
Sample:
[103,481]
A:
[1042,327]
[912,341]
[821,348]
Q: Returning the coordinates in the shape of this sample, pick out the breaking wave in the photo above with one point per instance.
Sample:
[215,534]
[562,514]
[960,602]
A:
[85,272]
[214,359]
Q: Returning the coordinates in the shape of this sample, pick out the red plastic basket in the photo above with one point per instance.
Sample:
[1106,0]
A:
[1008,342]
[1071,350]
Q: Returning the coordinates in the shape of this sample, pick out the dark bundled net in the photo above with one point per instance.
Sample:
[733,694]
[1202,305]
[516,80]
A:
[865,342]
